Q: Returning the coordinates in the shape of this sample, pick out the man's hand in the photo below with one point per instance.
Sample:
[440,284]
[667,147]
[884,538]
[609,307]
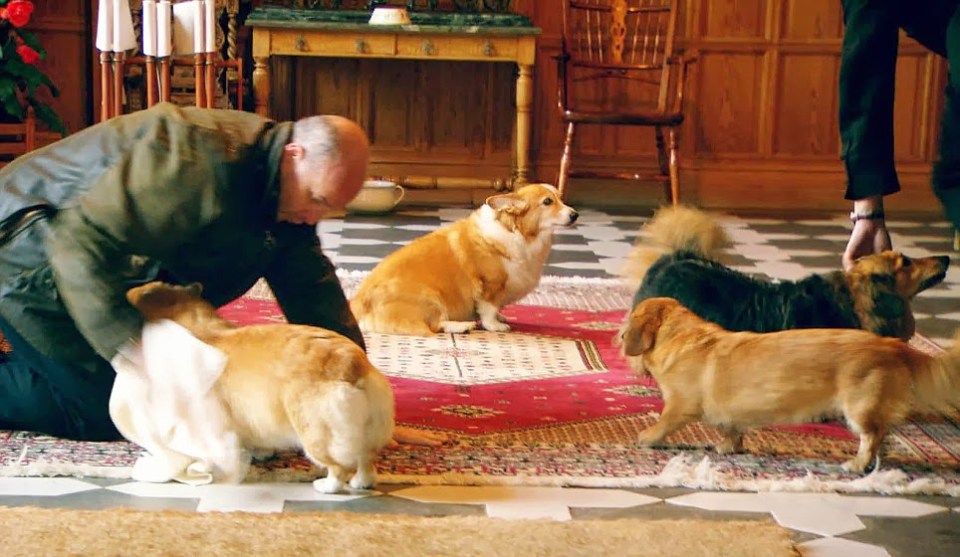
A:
[868,236]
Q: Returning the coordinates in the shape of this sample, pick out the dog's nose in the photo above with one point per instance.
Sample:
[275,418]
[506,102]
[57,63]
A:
[944,260]
[573,216]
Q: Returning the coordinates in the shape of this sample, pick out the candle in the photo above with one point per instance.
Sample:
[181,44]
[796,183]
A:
[210,25]
[164,41]
[149,27]
[198,32]
[124,37]
[117,24]
[105,25]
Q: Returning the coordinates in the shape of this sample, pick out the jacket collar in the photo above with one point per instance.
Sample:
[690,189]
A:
[274,138]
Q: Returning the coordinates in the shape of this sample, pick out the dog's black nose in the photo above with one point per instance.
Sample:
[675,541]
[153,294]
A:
[573,216]
[944,260]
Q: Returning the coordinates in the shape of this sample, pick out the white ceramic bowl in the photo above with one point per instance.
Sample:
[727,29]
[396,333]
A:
[390,15]
[376,196]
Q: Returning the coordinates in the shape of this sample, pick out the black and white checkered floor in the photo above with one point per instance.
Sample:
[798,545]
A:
[824,524]
[777,248]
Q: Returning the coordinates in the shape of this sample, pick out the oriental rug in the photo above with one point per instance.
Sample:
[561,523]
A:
[552,403]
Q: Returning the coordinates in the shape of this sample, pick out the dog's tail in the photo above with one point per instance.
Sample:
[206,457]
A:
[937,385]
[670,230]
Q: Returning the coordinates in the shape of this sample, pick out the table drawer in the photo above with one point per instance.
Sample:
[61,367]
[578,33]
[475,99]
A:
[457,48]
[333,44]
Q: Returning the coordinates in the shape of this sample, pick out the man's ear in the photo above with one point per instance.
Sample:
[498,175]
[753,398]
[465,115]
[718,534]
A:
[640,334]
[294,150]
[508,202]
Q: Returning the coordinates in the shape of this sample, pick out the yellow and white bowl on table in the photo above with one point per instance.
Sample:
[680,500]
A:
[376,197]
[389,15]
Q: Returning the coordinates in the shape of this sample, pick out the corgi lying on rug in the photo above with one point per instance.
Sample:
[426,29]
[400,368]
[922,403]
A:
[679,259]
[735,381]
[289,386]
[444,281]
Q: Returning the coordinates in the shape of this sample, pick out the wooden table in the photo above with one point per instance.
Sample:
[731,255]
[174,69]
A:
[450,37]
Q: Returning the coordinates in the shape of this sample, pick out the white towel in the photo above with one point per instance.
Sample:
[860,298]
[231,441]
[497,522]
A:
[164,400]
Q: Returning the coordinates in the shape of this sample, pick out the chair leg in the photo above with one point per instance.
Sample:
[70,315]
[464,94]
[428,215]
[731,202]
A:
[565,160]
[662,152]
[674,166]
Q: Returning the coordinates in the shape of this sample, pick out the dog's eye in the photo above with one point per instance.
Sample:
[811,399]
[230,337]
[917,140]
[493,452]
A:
[548,201]
[905,262]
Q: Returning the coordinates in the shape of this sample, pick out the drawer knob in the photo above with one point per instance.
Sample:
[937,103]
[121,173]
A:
[488,49]
[361,46]
[428,47]
[300,44]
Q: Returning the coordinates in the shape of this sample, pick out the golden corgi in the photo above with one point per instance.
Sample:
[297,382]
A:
[289,386]
[444,281]
[738,380]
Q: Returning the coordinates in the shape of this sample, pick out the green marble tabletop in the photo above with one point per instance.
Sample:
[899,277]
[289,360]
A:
[420,22]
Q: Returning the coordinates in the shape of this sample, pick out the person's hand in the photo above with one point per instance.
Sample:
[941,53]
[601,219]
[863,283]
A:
[868,236]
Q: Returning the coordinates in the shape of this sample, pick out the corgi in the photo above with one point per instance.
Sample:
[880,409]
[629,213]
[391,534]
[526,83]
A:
[289,386]
[738,380]
[446,280]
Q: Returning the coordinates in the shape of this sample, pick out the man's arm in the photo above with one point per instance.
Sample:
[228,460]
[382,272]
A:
[306,285]
[867,80]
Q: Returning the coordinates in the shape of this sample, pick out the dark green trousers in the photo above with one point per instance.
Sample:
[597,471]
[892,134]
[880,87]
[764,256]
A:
[867,79]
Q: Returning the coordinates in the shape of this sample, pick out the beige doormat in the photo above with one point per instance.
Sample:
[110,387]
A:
[32,532]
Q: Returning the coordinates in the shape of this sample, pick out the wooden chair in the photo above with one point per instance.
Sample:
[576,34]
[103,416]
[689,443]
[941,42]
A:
[18,138]
[617,67]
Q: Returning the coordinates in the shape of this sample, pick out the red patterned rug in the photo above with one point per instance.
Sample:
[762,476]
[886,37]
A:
[552,403]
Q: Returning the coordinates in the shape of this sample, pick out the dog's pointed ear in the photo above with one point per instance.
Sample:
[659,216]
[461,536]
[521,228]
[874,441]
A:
[640,334]
[195,288]
[509,202]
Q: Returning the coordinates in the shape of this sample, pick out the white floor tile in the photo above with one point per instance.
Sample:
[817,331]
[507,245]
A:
[826,514]
[354,259]
[610,249]
[526,502]
[43,487]
[591,232]
[253,497]
[418,227]
[838,547]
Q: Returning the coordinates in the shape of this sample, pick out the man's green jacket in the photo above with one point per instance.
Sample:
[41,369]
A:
[180,194]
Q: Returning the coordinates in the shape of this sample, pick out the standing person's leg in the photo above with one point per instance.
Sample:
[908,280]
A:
[868,66]
[946,171]
[42,395]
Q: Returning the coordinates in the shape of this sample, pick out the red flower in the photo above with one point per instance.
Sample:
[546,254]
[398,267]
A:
[18,12]
[29,55]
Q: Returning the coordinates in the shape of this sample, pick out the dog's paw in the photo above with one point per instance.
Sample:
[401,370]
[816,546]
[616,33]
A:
[457,327]
[328,485]
[861,466]
[496,326]
[413,436]
[362,480]
[648,439]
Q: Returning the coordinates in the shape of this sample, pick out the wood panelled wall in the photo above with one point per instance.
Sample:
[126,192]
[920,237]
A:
[63,29]
[762,130]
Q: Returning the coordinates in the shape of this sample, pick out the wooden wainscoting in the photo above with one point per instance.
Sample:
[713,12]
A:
[762,131]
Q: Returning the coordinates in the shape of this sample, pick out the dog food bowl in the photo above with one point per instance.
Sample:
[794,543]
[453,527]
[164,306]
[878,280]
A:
[376,197]
[390,15]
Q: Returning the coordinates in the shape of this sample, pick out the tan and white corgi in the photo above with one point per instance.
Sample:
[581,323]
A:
[446,280]
[289,386]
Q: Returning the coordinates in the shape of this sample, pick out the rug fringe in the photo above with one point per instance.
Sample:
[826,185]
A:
[61,469]
[683,471]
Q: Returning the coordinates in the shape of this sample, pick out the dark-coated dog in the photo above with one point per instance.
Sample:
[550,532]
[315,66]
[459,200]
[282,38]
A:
[680,259]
